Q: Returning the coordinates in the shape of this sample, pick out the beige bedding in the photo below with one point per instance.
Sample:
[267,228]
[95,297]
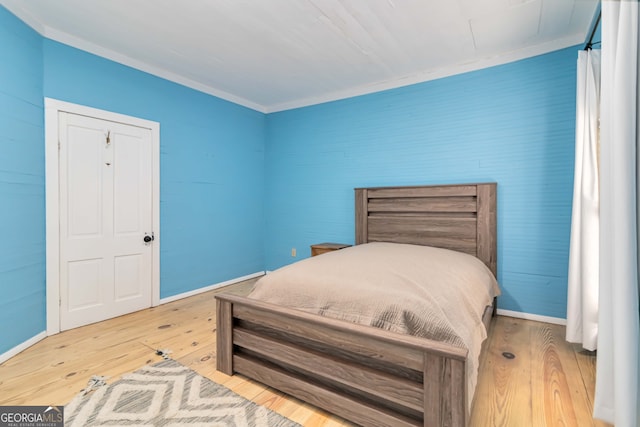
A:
[417,290]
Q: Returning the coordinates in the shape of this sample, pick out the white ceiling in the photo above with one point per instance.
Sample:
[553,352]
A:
[272,55]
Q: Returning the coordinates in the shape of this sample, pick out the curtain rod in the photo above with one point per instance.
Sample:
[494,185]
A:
[590,43]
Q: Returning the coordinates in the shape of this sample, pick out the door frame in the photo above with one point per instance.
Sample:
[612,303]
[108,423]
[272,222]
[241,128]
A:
[52,108]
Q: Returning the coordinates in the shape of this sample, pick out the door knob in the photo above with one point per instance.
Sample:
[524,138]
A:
[148,238]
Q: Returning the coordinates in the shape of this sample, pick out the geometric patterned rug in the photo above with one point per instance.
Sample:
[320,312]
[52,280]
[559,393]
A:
[168,394]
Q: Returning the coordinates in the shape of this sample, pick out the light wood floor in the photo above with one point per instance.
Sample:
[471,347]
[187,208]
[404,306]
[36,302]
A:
[548,383]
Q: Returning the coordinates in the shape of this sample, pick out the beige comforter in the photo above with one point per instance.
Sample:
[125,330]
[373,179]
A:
[417,290]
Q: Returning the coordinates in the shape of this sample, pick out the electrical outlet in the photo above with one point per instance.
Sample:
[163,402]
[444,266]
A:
[293,252]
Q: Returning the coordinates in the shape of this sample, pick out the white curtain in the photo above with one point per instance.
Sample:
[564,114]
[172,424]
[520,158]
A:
[618,370]
[582,300]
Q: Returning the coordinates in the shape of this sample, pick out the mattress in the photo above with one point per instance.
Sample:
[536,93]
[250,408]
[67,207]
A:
[421,291]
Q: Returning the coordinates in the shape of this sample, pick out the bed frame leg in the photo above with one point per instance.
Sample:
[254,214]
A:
[224,336]
[444,392]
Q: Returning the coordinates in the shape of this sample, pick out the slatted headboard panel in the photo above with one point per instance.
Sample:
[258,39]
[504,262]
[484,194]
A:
[457,217]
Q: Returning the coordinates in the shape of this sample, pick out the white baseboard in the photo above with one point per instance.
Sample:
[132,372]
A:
[534,317]
[20,347]
[211,287]
[42,335]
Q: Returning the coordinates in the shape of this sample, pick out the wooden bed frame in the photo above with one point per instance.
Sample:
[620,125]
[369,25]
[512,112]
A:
[367,375]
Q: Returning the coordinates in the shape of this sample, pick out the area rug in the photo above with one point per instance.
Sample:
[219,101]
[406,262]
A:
[167,394]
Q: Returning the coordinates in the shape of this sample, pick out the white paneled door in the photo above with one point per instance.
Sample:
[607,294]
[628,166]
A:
[105,190]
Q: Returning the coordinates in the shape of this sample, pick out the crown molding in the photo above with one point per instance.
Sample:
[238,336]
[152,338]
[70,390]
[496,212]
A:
[429,75]
[421,77]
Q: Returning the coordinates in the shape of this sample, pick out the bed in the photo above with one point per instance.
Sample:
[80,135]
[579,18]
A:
[370,376]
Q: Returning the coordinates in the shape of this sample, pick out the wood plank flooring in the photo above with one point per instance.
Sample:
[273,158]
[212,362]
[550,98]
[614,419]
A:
[548,383]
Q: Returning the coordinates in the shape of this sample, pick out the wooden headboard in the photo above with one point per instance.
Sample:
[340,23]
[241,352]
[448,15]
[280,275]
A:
[457,217]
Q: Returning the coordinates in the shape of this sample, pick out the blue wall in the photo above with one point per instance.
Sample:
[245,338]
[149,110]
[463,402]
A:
[211,173]
[239,188]
[22,220]
[211,165]
[513,124]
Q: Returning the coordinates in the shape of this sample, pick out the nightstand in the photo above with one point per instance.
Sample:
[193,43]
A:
[321,248]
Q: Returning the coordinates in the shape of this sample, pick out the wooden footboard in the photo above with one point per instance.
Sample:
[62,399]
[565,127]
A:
[366,375]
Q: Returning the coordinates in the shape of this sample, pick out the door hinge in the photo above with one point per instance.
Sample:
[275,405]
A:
[58,145]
